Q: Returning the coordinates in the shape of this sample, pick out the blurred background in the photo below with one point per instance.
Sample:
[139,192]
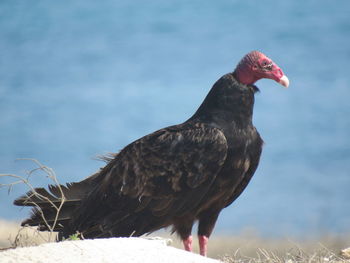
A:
[83,78]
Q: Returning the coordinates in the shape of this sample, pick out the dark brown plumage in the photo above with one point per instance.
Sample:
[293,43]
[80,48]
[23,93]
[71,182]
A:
[172,177]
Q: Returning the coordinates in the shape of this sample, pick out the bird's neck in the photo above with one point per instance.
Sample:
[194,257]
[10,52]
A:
[228,102]
[243,74]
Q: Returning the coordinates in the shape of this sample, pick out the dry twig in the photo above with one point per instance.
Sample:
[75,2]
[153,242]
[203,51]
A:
[49,173]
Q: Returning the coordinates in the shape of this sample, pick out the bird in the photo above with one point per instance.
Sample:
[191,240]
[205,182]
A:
[173,177]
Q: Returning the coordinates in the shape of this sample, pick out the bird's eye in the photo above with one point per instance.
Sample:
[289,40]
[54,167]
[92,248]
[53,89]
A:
[266,65]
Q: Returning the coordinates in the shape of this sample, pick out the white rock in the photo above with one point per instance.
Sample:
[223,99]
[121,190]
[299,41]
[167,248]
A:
[103,250]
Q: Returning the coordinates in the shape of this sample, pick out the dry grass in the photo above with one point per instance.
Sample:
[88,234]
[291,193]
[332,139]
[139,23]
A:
[250,247]
[27,236]
[295,254]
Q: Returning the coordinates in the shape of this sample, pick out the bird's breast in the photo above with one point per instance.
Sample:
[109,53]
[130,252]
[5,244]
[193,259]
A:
[243,150]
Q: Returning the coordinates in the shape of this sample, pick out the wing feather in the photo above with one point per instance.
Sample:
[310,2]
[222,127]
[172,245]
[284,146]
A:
[165,173]
[171,161]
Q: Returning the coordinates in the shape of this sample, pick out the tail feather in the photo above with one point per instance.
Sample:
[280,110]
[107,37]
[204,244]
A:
[49,218]
[71,193]
[53,208]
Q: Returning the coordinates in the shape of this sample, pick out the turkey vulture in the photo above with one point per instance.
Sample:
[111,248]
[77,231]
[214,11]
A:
[172,177]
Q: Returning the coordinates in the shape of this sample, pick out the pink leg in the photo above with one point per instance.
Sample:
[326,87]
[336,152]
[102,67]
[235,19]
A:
[203,245]
[188,243]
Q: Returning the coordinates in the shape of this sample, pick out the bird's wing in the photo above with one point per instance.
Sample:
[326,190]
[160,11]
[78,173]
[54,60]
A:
[170,161]
[161,175]
[168,171]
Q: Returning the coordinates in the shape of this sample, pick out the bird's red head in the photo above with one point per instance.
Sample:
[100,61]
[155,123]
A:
[255,65]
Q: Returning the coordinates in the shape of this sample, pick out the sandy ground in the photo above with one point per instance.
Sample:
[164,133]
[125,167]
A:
[11,233]
[246,245]
[103,250]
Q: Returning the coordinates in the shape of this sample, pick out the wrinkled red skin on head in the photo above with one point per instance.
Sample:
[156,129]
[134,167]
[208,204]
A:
[275,73]
[253,67]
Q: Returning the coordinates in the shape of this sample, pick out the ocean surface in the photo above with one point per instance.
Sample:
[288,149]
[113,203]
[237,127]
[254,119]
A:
[83,78]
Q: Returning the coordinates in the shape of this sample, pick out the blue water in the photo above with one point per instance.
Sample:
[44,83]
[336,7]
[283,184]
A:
[83,78]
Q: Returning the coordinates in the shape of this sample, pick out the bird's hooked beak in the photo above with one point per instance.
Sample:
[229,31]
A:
[278,75]
[284,81]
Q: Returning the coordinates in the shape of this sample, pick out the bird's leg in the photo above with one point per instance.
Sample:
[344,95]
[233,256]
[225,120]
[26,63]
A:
[207,220]
[203,245]
[188,243]
[183,227]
